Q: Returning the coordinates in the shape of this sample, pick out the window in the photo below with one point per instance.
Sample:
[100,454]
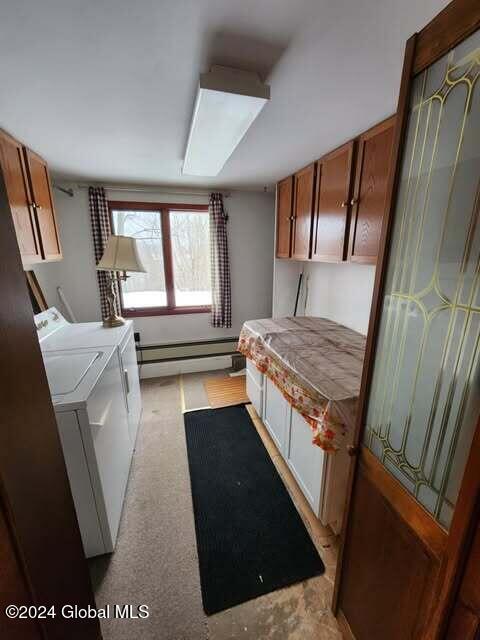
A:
[174,245]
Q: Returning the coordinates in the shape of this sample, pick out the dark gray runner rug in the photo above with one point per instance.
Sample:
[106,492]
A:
[250,538]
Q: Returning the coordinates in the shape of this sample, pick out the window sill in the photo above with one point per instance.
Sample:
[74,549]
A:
[163,311]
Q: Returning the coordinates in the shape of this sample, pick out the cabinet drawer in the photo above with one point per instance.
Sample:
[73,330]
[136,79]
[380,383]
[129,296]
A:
[255,394]
[255,373]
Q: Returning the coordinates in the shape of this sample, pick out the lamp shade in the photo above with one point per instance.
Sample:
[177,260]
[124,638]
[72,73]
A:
[121,254]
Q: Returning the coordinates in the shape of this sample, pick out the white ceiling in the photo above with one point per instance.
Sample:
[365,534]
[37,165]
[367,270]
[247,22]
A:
[104,89]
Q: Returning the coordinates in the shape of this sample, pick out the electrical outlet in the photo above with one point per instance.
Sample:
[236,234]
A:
[136,336]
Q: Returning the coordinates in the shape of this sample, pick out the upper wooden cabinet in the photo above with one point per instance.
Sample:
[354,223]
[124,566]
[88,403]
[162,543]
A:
[30,197]
[368,203]
[18,191]
[303,200]
[338,202]
[41,190]
[284,217]
[332,205]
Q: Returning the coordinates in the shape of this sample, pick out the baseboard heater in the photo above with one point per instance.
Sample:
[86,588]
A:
[175,351]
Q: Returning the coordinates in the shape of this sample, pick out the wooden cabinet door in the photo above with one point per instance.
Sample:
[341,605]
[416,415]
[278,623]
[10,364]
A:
[369,200]
[332,205]
[284,217]
[16,182]
[43,205]
[304,191]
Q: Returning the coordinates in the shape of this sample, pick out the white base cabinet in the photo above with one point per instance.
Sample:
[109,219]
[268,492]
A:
[321,476]
[306,461]
[255,390]
[276,414]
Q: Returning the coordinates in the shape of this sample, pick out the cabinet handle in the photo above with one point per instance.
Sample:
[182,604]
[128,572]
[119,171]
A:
[354,201]
[127,384]
[36,206]
[352,450]
[344,204]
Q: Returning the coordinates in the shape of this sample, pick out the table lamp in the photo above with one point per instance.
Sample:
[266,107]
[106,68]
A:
[120,255]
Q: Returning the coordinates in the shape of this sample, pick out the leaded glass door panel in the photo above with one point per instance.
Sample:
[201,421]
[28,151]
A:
[424,394]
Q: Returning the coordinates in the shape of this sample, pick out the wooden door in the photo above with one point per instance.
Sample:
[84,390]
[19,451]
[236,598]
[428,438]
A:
[332,205]
[16,181]
[35,496]
[417,479]
[43,205]
[304,191]
[13,588]
[284,217]
[370,193]
[465,621]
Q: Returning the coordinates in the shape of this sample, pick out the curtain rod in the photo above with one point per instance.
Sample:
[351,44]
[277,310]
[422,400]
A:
[153,189]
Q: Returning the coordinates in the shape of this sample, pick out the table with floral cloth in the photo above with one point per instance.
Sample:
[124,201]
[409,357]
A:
[316,364]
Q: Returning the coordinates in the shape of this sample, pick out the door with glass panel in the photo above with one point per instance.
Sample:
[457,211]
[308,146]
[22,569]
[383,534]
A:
[409,508]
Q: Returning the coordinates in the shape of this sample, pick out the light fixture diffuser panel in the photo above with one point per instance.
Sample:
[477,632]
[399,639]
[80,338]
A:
[220,120]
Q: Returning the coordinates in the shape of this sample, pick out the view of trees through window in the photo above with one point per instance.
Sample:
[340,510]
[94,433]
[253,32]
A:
[189,233]
[190,251]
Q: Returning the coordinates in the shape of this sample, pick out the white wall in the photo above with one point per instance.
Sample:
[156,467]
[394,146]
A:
[285,284]
[76,272]
[341,292]
[250,234]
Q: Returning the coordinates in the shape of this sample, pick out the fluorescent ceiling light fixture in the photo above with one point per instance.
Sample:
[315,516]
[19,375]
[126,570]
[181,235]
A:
[228,101]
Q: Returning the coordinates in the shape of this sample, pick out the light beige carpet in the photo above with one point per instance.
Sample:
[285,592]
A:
[155,562]
[193,388]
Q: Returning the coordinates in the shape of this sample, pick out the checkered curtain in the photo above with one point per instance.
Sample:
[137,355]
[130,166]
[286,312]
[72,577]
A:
[101,229]
[220,265]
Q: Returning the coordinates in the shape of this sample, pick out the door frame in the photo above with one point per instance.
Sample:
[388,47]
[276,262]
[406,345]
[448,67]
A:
[456,22]
[35,497]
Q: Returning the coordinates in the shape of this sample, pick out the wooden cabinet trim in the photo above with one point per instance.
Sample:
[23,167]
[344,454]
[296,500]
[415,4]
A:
[337,151]
[456,22]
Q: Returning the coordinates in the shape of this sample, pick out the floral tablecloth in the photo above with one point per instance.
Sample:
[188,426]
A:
[316,364]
